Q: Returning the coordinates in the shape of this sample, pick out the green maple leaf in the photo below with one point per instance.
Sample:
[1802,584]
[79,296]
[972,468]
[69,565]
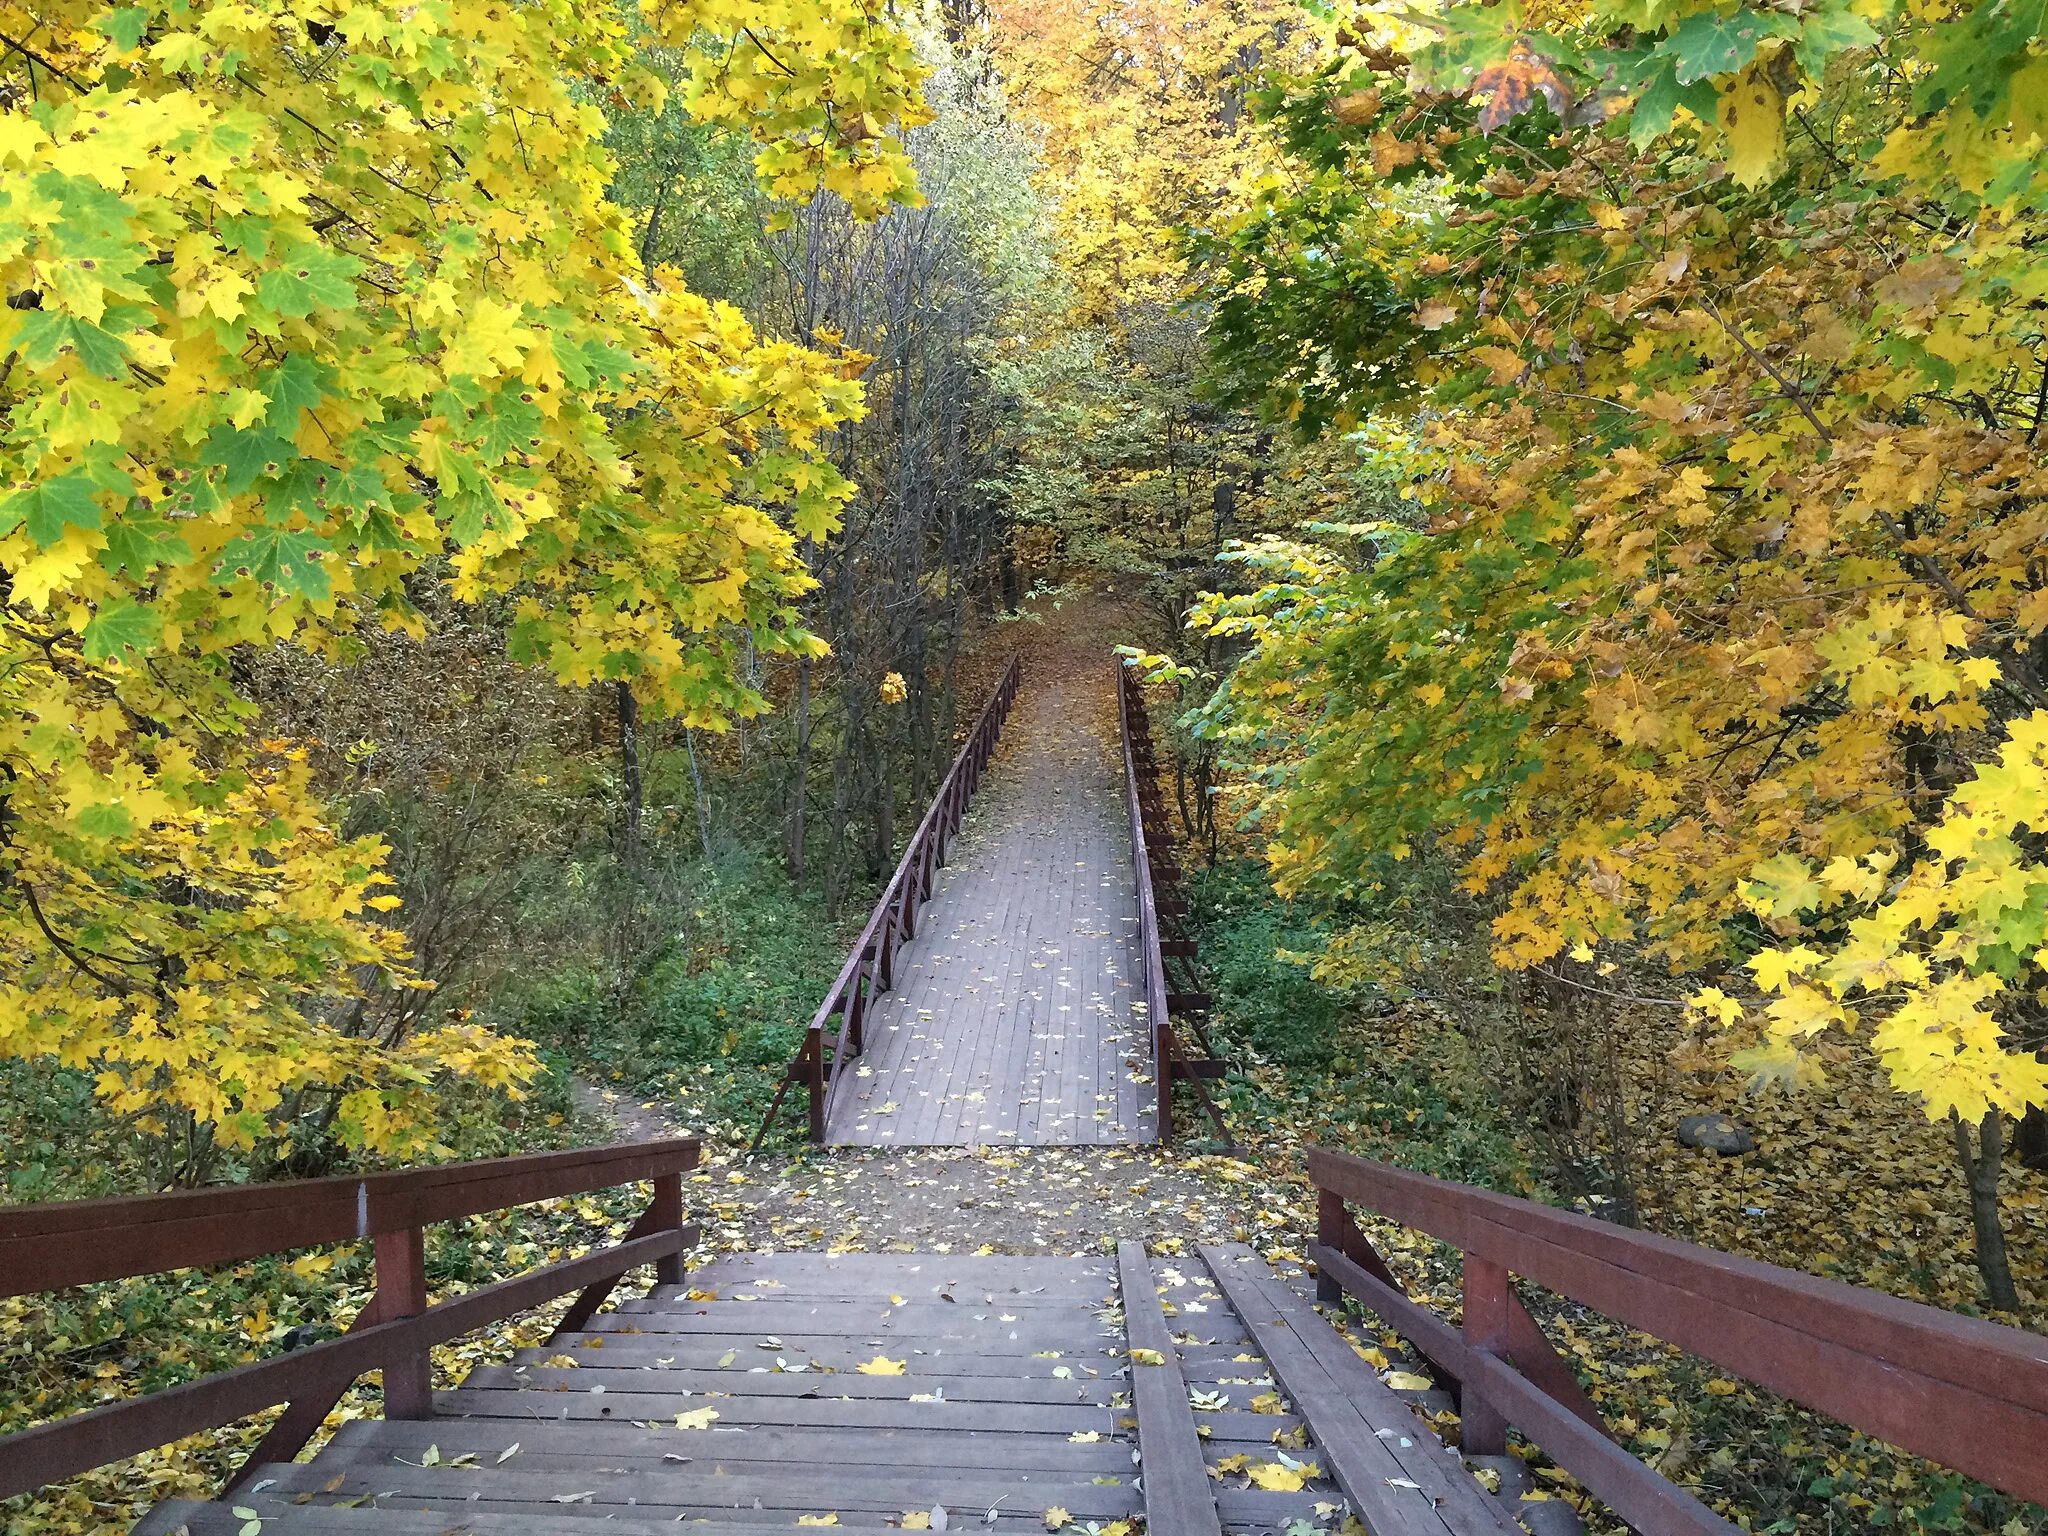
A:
[288,562]
[121,626]
[508,426]
[247,454]
[307,278]
[1660,100]
[49,508]
[140,541]
[1827,30]
[294,385]
[124,27]
[47,335]
[1708,43]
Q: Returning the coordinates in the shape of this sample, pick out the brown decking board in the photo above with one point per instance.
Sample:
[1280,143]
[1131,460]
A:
[1010,1022]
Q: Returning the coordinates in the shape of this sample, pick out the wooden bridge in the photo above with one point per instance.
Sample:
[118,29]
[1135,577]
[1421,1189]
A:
[1024,973]
[1187,1394]
[1191,1395]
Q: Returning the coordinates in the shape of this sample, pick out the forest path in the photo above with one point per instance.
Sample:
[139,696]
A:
[1009,1023]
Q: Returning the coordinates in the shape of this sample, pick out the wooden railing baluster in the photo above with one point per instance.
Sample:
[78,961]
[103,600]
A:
[869,966]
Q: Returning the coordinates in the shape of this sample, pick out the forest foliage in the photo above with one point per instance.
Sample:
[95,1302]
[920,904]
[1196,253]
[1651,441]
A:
[320,317]
[1701,617]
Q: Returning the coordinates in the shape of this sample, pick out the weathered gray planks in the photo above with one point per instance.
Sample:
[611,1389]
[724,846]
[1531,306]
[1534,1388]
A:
[1177,1492]
[999,1407]
[1009,1022]
[1400,1478]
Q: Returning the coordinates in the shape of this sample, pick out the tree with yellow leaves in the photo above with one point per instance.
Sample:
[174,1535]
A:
[312,304]
[1710,627]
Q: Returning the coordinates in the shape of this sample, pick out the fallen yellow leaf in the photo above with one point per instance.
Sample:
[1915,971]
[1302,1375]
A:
[882,1365]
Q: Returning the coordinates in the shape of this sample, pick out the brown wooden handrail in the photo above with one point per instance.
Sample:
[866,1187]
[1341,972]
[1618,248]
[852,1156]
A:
[869,965]
[49,1247]
[1969,1394]
[1170,1062]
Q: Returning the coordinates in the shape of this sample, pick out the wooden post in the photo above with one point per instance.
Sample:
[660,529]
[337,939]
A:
[857,1008]
[402,1292]
[814,1079]
[1332,1227]
[666,1211]
[1486,1330]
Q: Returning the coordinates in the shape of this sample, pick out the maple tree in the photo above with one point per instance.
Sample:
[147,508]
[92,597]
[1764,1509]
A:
[311,306]
[1708,622]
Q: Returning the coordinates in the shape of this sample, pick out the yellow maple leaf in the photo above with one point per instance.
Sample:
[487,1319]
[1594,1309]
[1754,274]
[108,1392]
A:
[1753,120]
[1277,1477]
[882,1365]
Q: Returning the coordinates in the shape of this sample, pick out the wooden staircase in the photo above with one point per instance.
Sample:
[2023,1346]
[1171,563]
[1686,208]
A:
[892,1391]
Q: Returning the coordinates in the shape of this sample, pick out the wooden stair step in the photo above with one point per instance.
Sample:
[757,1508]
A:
[705,1487]
[630,1444]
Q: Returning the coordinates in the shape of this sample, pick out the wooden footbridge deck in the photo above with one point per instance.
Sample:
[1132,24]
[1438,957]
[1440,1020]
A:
[1179,1393]
[1188,1395]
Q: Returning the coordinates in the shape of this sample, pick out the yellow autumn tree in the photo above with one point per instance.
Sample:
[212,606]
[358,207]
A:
[309,303]
[1708,626]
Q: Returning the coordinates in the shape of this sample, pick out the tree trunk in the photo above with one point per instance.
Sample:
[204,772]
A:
[697,791]
[801,774]
[1982,1153]
[2030,1139]
[629,775]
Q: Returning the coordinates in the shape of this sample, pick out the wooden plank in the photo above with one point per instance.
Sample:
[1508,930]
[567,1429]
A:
[629,1444]
[795,1413]
[1360,1460]
[1177,1493]
[1465,1504]
[1078,1319]
[63,1243]
[695,1353]
[1011,1338]
[326,1520]
[1008,1388]
[704,1486]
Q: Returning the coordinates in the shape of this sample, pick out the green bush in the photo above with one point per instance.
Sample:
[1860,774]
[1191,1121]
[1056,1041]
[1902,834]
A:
[1262,1001]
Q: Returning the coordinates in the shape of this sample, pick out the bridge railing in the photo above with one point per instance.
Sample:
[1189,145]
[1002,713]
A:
[869,967]
[1966,1393]
[50,1247]
[1157,873]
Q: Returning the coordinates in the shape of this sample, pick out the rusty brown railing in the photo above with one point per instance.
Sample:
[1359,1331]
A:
[1160,900]
[50,1247]
[1969,1394]
[835,1032]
